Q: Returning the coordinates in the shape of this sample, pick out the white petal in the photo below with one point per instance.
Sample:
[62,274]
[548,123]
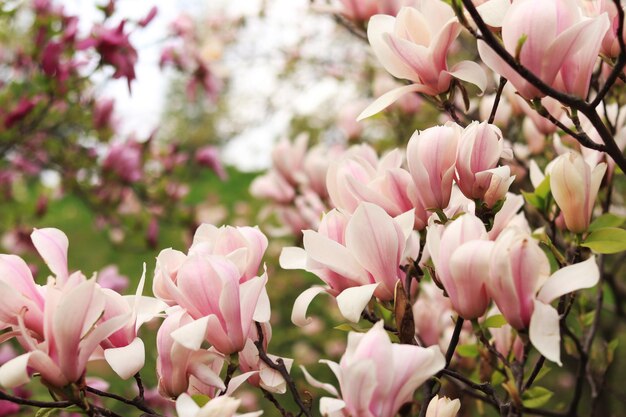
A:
[293,258]
[331,407]
[300,306]
[191,335]
[14,372]
[406,221]
[318,384]
[263,310]
[128,360]
[544,331]
[353,300]
[389,98]
[236,381]
[186,406]
[470,72]
[571,278]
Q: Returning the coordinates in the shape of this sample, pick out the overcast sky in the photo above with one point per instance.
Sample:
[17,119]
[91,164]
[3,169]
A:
[253,68]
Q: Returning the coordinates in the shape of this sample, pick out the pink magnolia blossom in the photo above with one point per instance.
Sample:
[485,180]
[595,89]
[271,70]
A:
[522,287]
[176,364]
[574,185]
[610,42]
[414,46]
[208,288]
[376,377]
[110,277]
[354,179]
[125,161]
[72,333]
[460,252]
[431,157]
[357,256]
[115,49]
[123,350]
[432,314]
[216,284]
[261,375]
[555,42]
[209,157]
[244,246]
[480,149]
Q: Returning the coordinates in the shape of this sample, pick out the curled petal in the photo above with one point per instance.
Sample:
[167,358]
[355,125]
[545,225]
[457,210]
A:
[353,300]
[544,331]
[571,278]
[128,360]
[300,306]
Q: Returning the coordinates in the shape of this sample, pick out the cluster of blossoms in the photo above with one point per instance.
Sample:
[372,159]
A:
[52,120]
[419,241]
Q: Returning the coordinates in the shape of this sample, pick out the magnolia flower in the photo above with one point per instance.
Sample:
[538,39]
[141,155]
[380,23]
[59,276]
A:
[443,407]
[244,246]
[72,332]
[223,406]
[413,46]
[208,288]
[431,156]
[176,364]
[261,375]
[432,315]
[460,253]
[357,256]
[610,42]
[574,185]
[123,350]
[477,175]
[354,179]
[553,41]
[376,377]
[522,287]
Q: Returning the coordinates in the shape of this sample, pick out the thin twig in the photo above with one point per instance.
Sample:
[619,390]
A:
[135,402]
[34,403]
[279,366]
[496,101]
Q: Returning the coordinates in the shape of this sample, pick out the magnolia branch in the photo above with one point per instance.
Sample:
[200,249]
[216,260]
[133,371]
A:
[279,366]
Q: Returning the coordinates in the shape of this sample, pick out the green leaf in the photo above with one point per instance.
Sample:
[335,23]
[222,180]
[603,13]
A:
[606,220]
[497,378]
[349,327]
[543,190]
[49,412]
[606,240]
[536,397]
[533,200]
[200,399]
[495,321]
[467,351]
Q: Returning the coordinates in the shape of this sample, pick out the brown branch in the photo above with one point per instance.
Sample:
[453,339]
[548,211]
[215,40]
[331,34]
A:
[135,402]
[279,366]
[34,403]
[496,101]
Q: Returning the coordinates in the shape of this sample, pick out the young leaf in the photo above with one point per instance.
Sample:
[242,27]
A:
[606,220]
[467,351]
[606,240]
[536,397]
[495,321]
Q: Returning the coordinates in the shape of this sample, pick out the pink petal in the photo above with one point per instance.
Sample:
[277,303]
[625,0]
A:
[52,245]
